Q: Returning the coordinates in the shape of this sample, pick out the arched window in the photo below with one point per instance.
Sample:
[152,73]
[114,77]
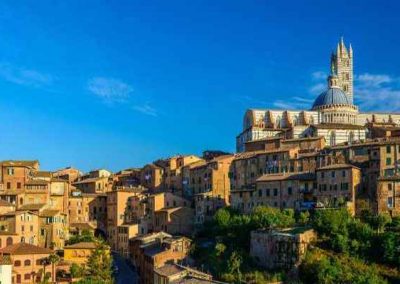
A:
[17,263]
[21,201]
[9,241]
[332,138]
[31,240]
[27,262]
[22,239]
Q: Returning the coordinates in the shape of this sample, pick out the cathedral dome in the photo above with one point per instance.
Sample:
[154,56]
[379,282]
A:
[332,96]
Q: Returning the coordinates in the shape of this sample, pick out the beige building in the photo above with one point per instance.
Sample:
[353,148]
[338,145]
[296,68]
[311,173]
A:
[388,195]
[151,177]
[118,202]
[210,184]
[275,190]
[338,183]
[28,262]
[174,220]
[155,250]
[24,225]
[14,174]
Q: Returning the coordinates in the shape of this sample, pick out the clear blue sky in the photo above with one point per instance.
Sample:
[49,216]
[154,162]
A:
[117,84]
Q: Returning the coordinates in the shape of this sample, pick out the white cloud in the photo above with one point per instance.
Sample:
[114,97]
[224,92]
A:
[24,76]
[373,80]
[319,75]
[316,89]
[293,103]
[377,92]
[110,90]
[146,109]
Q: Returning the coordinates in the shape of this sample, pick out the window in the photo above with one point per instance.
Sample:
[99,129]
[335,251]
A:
[18,185]
[388,149]
[10,171]
[17,263]
[275,191]
[389,187]
[27,262]
[289,190]
[390,202]
[333,174]
[8,185]
[322,175]
[343,173]
[260,193]
[388,161]
[344,186]
[267,191]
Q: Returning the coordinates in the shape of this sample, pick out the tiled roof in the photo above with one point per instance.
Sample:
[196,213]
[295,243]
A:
[337,166]
[293,176]
[49,213]
[43,174]
[81,226]
[168,270]
[34,207]
[19,163]
[81,245]
[24,248]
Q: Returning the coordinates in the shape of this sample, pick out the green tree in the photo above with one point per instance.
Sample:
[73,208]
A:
[53,259]
[77,270]
[99,263]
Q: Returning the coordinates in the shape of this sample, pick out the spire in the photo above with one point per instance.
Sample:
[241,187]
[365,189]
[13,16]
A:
[350,50]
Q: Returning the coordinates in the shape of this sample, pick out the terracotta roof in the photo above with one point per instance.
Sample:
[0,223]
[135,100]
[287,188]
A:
[49,213]
[82,226]
[81,245]
[337,166]
[21,163]
[24,248]
[34,207]
[43,174]
[89,180]
[168,270]
[290,176]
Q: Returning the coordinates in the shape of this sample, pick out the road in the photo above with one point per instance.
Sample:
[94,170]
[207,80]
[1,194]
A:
[125,274]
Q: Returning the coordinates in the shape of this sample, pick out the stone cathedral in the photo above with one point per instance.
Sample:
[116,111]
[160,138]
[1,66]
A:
[333,114]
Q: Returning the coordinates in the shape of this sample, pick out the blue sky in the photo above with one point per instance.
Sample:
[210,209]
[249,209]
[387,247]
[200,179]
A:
[117,84]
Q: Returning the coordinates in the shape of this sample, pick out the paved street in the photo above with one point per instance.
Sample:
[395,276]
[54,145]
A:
[125,274]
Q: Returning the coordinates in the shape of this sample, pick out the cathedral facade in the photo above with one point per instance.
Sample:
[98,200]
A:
[333,114]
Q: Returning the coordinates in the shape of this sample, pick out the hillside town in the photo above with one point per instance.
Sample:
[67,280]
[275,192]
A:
[182,219]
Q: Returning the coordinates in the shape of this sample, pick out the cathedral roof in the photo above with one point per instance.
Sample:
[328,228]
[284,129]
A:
[332,96]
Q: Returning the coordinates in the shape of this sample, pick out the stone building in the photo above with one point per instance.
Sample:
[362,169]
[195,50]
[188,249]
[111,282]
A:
[275,190]
[280,249]
[338,183]
[388,195]
[149,252]
[333,114]
[210,184]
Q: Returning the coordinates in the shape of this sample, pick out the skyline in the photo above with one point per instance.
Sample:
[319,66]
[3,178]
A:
[119,86]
